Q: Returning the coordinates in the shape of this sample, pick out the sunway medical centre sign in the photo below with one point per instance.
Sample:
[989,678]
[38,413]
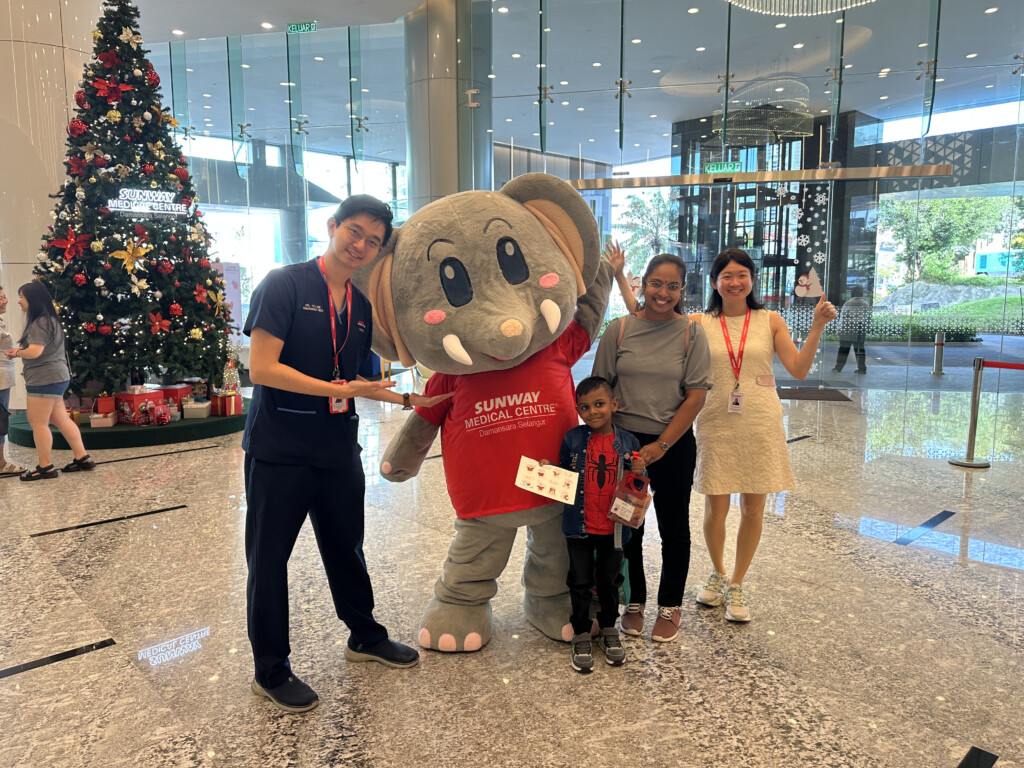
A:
[151,202]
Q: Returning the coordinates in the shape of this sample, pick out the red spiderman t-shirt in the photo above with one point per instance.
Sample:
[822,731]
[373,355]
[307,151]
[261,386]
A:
[599,483]
[494,418]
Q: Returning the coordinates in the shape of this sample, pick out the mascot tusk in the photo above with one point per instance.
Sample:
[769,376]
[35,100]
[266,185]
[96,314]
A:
[552,314]
[457,352]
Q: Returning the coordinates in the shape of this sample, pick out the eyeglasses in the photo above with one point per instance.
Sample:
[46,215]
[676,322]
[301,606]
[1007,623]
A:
[371,242]
[670,287]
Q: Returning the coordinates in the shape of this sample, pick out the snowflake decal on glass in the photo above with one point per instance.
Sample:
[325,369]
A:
[799,213]
[781,192]
[814,368]
[803,240]
[819,257]
[821,198]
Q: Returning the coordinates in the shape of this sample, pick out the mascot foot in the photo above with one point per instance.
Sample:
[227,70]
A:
[548,615]
[453,628]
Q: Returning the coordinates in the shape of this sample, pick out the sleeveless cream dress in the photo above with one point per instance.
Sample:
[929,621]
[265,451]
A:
[741,452]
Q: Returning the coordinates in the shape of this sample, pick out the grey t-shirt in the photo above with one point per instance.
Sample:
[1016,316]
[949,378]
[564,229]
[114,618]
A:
[51,366]
[648,369]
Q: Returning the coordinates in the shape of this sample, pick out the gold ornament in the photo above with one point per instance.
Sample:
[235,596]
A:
[114,116]
[137,123]
[217,299]
[196,334]
[90,150]
[123,171]
[157,149]
[96,34]
[92,179]
[96,246]
[152,184]
[209,282]
[134,256]
[138,286]
[132,38]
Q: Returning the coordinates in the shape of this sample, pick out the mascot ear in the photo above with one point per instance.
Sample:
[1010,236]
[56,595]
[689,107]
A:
[567,218]
[374,281]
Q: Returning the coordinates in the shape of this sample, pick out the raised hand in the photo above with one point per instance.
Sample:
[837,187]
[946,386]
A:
[824,311]
[615,256]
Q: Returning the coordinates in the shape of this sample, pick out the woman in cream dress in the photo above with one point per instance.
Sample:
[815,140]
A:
[741,442]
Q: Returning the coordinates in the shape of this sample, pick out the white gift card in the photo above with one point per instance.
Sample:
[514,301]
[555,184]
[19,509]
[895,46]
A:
[549,480]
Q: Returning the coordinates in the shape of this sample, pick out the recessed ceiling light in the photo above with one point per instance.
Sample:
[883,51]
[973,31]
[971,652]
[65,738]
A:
[563,82]
[839,20]
[208,95]
[655,71]
[798,45]
[693,10]
[503,9]
[177,32]
[702,48]
[267,25]
[597,64]
[828,91]
[883,98]
[287,101]
[885,69]
[824,111]
[189,69]
[366,90]
[636,145]
[490,130]
[318,58]
[848,66]
[207,119]
[245,66]
[517,55]
[780,89]
[922,45]
[703,135]
[291,85]
[971,56]
[940,80]
[353,79]
[536,134]
[636,41]
[565,103]
[703,119]
[541,66]
[508,119]
[653,116]
[616,130]
[579,109]
[991,10]
[990,86]
[252,109]
[664,134]
[589,139]
[207,106]
[552,122]
[675,146]
[781,25]
[491,77]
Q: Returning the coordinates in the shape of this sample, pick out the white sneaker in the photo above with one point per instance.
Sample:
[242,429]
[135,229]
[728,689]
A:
[735,610]
[711,592]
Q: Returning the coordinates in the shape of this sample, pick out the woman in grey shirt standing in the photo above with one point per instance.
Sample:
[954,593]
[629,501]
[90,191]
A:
[660,369]
[47,378]
[6,383]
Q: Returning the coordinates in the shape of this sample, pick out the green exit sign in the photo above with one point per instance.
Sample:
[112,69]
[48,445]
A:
[304,26]
[731,167]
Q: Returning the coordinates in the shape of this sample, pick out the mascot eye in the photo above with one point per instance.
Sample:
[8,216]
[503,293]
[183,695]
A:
[510,259]
[455,282]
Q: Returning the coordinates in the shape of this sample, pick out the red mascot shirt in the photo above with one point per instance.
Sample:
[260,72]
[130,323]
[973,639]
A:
[495,417]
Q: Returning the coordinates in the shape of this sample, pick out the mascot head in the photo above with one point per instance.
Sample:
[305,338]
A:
[480,281]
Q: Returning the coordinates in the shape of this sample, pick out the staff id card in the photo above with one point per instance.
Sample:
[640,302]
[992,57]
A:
[338,404]
[735,402]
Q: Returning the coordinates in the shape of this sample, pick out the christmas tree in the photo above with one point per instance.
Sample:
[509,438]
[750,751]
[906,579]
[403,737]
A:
[126,258]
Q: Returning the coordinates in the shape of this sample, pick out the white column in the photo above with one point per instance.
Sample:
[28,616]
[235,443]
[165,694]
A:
[44,46]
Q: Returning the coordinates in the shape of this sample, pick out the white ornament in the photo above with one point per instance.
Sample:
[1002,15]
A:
[803,240]
[158,294]
[80,193]
[100,318]
[147,115]
[135,103]
[41,257]
[99,282]
[137,72]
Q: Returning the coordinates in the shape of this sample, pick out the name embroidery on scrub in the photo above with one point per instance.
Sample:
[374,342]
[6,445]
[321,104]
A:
[312,308]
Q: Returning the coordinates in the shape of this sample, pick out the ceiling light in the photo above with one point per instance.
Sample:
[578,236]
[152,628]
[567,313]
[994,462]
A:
[189,69]
[287,101]
[971,56]
[653,116]
[922,45]
[798,45]
[703,119]
[207,106]
[366,90]
[491,77]
[702,48]
[991,10]
[839,20]
[208,95]
[597,63]
[267,25]
[848,66]
[636,41]
[989,86]
[177,32]
[318,58]
[579,109]
[353,79]
[245,66]
[290,85]
[824,111]
[781,25]
[552,122]
[541,66]
[503,9]
[616,130]
[565,103]
[508,119]
[563,82]
[655,71]
[636,145]
[490,130]
[828,91]
[883,98]
[780,89]
[536,134]
[693,10]
[885,69]
[589,139]
[675,146]
[516,55]
[940,80]
[664,134]
[252,109]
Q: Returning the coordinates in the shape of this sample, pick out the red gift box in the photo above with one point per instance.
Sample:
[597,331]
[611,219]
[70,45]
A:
[161,414]
[226,405]
[105,404]
[137,409]
[173,395]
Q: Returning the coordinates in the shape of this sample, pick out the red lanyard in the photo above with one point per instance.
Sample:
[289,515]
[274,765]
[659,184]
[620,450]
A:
[736,360]
[348,324]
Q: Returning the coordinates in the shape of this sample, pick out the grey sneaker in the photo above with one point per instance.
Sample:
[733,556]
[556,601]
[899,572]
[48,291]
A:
[614,653]
[735,610]
[582,653]
[711,592]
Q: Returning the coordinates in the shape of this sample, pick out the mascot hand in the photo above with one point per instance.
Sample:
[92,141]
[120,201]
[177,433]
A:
[407,450]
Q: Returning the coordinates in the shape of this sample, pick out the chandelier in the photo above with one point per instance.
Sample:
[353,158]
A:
[766,112]
[797,7]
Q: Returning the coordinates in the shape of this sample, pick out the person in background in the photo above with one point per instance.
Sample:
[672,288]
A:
[660,370]
[47,378]
[853,330]
[741,441]
[6,384]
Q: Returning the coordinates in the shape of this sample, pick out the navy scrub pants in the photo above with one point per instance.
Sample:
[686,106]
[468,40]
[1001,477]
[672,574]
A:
[279,496]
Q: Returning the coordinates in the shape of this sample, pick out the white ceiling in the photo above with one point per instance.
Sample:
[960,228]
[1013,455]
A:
[221,18]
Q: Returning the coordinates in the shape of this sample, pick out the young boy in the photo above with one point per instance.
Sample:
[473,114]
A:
[598,450]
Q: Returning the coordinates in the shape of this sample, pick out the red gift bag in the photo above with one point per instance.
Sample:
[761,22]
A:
[631,500]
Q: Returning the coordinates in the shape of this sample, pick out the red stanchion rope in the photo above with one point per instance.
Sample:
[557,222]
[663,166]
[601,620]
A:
[1013,366]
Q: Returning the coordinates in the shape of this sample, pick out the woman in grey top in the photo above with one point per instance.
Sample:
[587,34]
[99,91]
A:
[6,383]
[660,370]
[47,378]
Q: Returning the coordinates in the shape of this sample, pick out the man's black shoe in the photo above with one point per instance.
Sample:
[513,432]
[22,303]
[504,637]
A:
[293,695]
[387,652]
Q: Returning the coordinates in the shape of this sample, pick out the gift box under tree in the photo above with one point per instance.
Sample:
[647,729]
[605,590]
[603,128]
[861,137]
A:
[137,409]
[225,404]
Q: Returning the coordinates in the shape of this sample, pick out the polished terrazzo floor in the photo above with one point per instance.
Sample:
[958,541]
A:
[862,652]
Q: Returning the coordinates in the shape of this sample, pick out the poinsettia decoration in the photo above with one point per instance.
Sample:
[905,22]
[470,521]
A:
[158,324]
[110,59]
[110,89]
[73,244]
[200,294]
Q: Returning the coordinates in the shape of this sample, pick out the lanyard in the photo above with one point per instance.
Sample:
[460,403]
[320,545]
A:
[736,360]
[348,323]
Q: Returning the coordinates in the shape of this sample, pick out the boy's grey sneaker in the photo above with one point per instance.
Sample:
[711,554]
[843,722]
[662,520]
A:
[614,653]
[735,610]
[387,652]
[582,653]
[292,695]
[711,592]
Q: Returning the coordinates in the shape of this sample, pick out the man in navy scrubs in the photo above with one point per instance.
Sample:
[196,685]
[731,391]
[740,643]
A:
[310,328]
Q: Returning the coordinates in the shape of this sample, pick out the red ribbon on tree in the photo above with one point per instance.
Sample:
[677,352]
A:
[73,244]
[158,323]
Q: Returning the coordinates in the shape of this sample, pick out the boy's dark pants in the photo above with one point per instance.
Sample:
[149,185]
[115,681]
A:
[583,568]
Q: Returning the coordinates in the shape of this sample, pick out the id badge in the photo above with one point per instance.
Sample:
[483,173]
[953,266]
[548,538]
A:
[338,404]
[735,402]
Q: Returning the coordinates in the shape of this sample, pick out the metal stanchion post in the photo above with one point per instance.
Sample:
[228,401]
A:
[940,344]
[968,461]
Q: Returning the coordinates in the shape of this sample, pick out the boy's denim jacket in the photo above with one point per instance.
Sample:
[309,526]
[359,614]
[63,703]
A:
[573,456]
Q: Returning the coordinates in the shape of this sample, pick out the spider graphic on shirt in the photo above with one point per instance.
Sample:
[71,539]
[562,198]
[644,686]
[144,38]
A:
[599,470]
